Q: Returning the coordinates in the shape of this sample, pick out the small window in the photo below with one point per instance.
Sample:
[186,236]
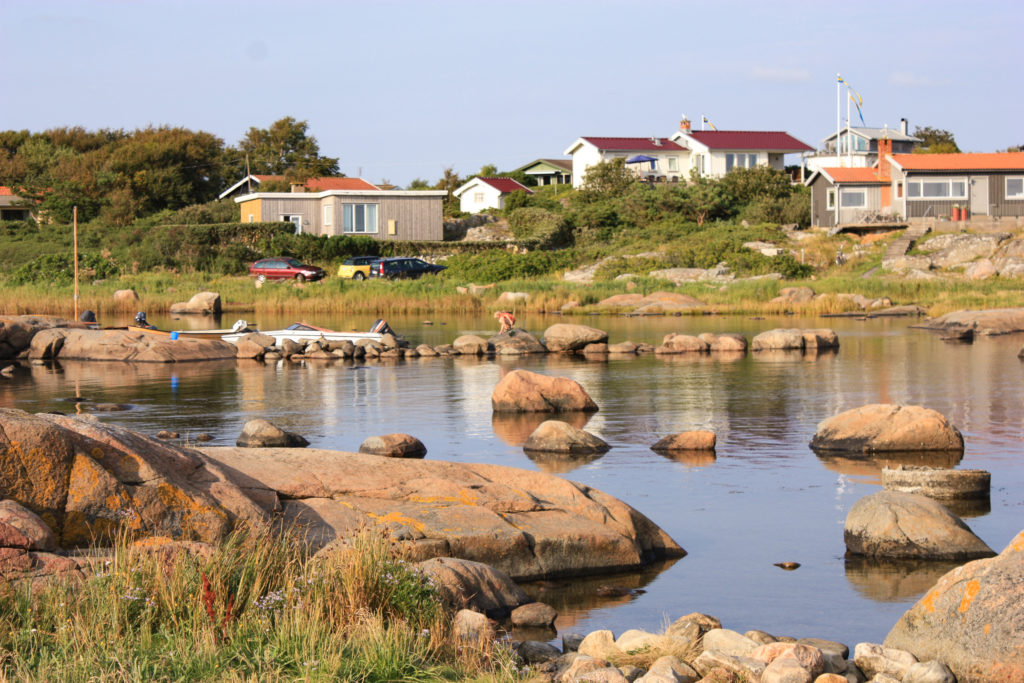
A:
[830,199]
[899,189]
[359,218]
[751,160]
[478,197]
[1015,187]
[673,164]
[853,199]
[328,212]
[730,161]
[252,218]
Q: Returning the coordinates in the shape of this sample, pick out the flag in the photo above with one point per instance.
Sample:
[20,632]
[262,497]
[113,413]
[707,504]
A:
[857,101]
[705,120]
[840,79]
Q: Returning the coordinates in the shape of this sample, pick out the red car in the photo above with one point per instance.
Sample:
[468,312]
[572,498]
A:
[285,269]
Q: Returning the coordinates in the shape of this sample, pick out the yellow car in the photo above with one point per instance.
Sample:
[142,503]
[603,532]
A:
[357,267]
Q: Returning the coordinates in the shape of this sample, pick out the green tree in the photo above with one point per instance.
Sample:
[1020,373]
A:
[745,185]
[286,149]
[936,141]
[606,180]
[488,171]
[418,184]
[162,168]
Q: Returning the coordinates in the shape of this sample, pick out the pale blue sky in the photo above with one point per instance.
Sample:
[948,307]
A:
[399,89]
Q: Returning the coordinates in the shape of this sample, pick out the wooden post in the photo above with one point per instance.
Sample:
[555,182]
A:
[74,222]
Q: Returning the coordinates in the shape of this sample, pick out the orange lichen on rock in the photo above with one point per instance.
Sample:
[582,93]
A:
[970,591]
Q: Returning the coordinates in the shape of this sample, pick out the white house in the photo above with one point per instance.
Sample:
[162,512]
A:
[661,158]
[487,193]
[858,147]
[713,153]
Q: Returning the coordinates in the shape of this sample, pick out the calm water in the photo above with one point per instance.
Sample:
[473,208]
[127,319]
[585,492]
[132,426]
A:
[764,498]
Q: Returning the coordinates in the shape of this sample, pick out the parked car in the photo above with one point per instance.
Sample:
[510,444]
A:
[411,268]
[285,269]
[357,267]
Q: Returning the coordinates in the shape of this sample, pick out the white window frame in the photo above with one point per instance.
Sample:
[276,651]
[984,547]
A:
[847,193]
[328,214]
[478,197]
[371,214]
[1006,186]
[830,198]
[915,189]
[673,164]
[293,218]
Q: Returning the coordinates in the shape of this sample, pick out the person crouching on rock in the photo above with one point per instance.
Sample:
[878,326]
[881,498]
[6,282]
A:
[506,320]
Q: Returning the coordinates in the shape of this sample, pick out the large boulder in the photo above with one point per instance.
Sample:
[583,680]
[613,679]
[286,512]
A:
[516,342]
[394,446]
[260,433]
[17,331]
[885,427]
[682,343]
[86,479]
[728,342]
[693,440]
[971,620]
[988,322]
[471,345]
[952,250]
[555,436]
[940,484]
[127,345]
[522,391]
[567,337]
[778,339]
[794,295]
[205,303]
[524,523]
[908,525]
[40,536]
[465,584]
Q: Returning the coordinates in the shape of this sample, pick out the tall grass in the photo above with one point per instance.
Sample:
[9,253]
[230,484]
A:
[257,608]
[439,295]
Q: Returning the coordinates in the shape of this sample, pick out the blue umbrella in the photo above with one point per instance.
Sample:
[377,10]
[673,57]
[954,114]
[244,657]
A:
[639,159]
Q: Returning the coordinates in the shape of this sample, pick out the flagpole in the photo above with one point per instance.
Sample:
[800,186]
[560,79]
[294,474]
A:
[849,141]
[839,82]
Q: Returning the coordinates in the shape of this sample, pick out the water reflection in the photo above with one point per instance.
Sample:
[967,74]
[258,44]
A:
[690,458]
[561,463]
[515,428]
[895,580]
[871,465]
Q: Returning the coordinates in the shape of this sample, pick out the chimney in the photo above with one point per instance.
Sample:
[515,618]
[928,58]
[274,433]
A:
[884,149]
[684,125]
[903,126]
[298,187]
[656,141]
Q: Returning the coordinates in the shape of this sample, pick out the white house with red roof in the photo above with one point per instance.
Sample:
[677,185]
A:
[656,158]
[487,193]
[713,153]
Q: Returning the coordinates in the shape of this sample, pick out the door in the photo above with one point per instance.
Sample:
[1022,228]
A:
[979,196]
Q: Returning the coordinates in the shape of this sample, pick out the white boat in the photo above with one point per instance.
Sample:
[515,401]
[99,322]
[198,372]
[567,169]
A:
[304,332]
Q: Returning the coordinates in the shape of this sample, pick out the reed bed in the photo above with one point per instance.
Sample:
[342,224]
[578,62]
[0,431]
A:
[258,607]
[439,295]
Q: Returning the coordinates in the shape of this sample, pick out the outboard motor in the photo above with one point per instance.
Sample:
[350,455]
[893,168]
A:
[381,327]
[87,316]
[140,319]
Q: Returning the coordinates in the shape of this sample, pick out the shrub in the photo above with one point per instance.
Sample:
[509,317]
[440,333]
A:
[495,265]
[540,226]
[60,269]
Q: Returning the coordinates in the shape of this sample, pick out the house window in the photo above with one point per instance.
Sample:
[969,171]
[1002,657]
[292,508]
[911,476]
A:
[654,164]
[954,188]
[853,199]
[292,218]
[359,218]
[252,218]
[1015,187]
[740,161]
[830,199]
[328,212]
[698,163]
[899,189]
[673,164]
[478,197]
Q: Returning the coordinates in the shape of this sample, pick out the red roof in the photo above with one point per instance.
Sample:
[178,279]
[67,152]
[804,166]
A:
[634,144]
[997,161]
[772,140]
[6,191]
[505,185]
[853,175]
[327,183]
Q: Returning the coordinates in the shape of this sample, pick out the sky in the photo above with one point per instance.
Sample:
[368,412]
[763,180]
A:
[402,89]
